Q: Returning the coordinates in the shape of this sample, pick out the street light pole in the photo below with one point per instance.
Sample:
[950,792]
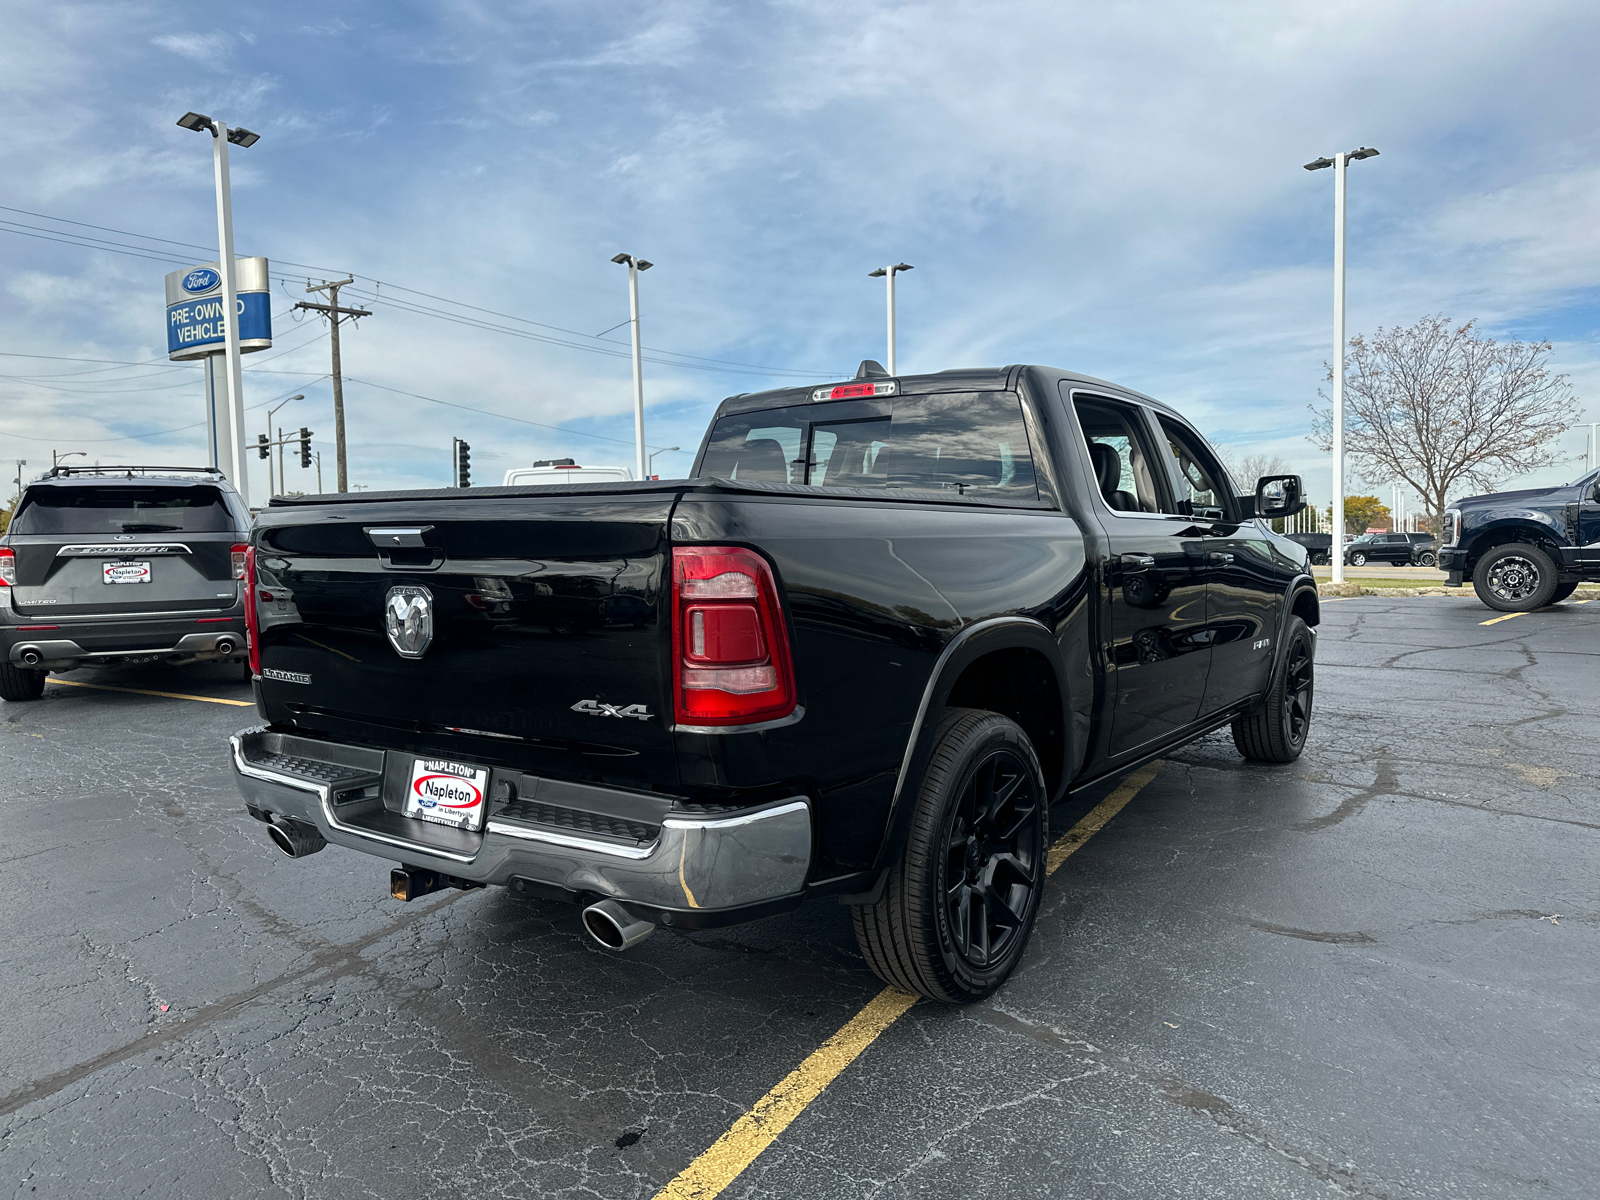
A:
[221,136]
[888,274]
[272,412]
[1340,164]
[635,265]
[653,453]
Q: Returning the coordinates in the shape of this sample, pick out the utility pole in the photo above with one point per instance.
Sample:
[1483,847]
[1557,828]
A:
[333,312]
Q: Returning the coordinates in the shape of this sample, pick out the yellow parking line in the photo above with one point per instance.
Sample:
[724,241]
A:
[707,1176]
[1497,620]
[104,687]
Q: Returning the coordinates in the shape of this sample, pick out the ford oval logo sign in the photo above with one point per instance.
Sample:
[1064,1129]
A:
[201,280]
[408,620]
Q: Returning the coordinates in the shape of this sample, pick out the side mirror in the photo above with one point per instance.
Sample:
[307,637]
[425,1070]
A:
[1278,496]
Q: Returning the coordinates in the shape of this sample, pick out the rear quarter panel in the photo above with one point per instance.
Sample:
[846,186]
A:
[875,591]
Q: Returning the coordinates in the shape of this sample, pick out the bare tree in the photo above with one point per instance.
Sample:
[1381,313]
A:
[1438,405]
[1247,468]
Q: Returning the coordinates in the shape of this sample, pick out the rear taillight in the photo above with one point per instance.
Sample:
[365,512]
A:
[252,621]
[239,552]
[8,566]
[730,646]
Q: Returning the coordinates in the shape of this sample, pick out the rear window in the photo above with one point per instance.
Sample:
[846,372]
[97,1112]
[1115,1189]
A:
[968,443]
[91,509]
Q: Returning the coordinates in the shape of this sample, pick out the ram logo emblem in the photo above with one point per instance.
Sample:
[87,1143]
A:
[408,620]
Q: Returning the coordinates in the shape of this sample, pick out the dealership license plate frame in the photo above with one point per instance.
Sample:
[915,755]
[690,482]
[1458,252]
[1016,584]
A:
[442,811]
[109,569]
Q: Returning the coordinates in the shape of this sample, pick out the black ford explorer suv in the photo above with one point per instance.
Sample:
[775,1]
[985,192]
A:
[108,565]
[1525,549]
[882,629]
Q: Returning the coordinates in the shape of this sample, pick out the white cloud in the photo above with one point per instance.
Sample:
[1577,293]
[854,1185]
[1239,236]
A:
[202,47]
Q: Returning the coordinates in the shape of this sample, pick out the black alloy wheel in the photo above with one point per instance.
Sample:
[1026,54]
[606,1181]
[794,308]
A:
[957,907]
[993,863]
[1428,559]
[1276,731]
[1515,577]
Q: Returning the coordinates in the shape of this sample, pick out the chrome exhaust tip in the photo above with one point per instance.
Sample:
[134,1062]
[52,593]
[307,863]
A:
[295,838]
[614,927]
[32,658]
[225,646]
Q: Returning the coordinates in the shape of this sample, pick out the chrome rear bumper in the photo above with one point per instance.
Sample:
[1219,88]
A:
[685,863]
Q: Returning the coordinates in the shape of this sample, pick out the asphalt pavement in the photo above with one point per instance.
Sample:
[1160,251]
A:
[1370,973]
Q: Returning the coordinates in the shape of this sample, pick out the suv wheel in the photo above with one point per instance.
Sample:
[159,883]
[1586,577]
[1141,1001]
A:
[1427,559]
[1515,577]
[21,683]
[1276,732]
[958,906]
[1358,559]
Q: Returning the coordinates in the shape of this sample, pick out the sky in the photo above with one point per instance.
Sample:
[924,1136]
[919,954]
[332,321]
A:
[1114,188]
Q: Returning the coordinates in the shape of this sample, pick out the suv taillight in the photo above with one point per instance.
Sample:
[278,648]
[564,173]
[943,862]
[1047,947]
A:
[8,566]
[730,647]
[252,621]
[239,552]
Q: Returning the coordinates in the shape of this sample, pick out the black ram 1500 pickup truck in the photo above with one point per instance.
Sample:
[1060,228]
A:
[1526,549]
[885,625]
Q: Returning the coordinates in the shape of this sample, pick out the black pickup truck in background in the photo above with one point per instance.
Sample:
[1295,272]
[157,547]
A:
[860,653]
[1525,549]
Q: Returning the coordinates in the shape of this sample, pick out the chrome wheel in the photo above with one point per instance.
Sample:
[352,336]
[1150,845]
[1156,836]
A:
[1514,578]
[993,859]
[1358,560]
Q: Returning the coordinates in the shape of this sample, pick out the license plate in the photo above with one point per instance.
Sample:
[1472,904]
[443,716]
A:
[447,793]
[123,571]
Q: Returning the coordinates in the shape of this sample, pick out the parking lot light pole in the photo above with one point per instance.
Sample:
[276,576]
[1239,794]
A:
[887,274]
[1340,163]
[635,265]
[221,138]
[653,453]
[271,412]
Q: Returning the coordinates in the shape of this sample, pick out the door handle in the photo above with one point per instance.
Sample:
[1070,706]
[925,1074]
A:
[1136,562]
[1219,558]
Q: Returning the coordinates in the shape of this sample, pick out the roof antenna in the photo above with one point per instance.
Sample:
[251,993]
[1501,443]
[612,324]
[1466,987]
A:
[871,368]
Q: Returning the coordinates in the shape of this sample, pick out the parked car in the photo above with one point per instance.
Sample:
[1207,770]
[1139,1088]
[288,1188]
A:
[564,470]
[1392,548]
[887,624]
[108,565]
[1525,549]
[1319,546]
[1424,549]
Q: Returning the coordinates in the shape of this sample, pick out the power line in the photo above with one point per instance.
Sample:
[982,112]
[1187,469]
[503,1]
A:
[89,243]
[132,437]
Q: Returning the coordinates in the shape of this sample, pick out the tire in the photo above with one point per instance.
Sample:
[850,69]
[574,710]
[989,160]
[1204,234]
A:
[1563,590]
[1276,732]
[1358,560]
[1427,559]
[1515,577]
[21,683]
[981,811]
[1319,560]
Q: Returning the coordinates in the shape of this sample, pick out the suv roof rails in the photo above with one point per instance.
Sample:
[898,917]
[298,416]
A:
[58,471]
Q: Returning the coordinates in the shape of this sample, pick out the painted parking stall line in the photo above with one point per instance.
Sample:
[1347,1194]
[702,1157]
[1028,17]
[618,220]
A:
[710,1174]
[106,687]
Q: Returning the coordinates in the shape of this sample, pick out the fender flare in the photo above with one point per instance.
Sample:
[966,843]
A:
[1301,585]
[965,648]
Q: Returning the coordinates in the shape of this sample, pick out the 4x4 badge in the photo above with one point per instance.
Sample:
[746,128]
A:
[595,708]
[408,619]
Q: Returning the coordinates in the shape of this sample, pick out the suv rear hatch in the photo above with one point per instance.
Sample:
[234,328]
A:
[530,629]
[104,548]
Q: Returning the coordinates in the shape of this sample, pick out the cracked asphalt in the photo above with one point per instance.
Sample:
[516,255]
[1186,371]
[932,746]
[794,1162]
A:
[1371,973]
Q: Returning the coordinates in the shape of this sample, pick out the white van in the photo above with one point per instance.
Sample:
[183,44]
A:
[564,470]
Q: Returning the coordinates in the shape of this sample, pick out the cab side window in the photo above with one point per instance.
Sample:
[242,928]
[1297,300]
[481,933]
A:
[1209,490]
[1119,451]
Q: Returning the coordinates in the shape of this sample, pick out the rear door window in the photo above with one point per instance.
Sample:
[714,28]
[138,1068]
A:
[99,509]
[1119,451]
[969,443]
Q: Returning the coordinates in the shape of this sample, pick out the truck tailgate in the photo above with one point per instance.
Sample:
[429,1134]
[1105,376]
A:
[528,630]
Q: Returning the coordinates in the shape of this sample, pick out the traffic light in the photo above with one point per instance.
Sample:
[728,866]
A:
[262,441]
[463,465]
[305,446]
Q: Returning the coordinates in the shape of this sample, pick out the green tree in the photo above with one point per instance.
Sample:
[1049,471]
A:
[1361,512]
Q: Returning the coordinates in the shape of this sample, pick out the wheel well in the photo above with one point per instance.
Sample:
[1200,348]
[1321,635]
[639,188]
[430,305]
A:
[1022,685]
[1307,607]
[1507,534]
